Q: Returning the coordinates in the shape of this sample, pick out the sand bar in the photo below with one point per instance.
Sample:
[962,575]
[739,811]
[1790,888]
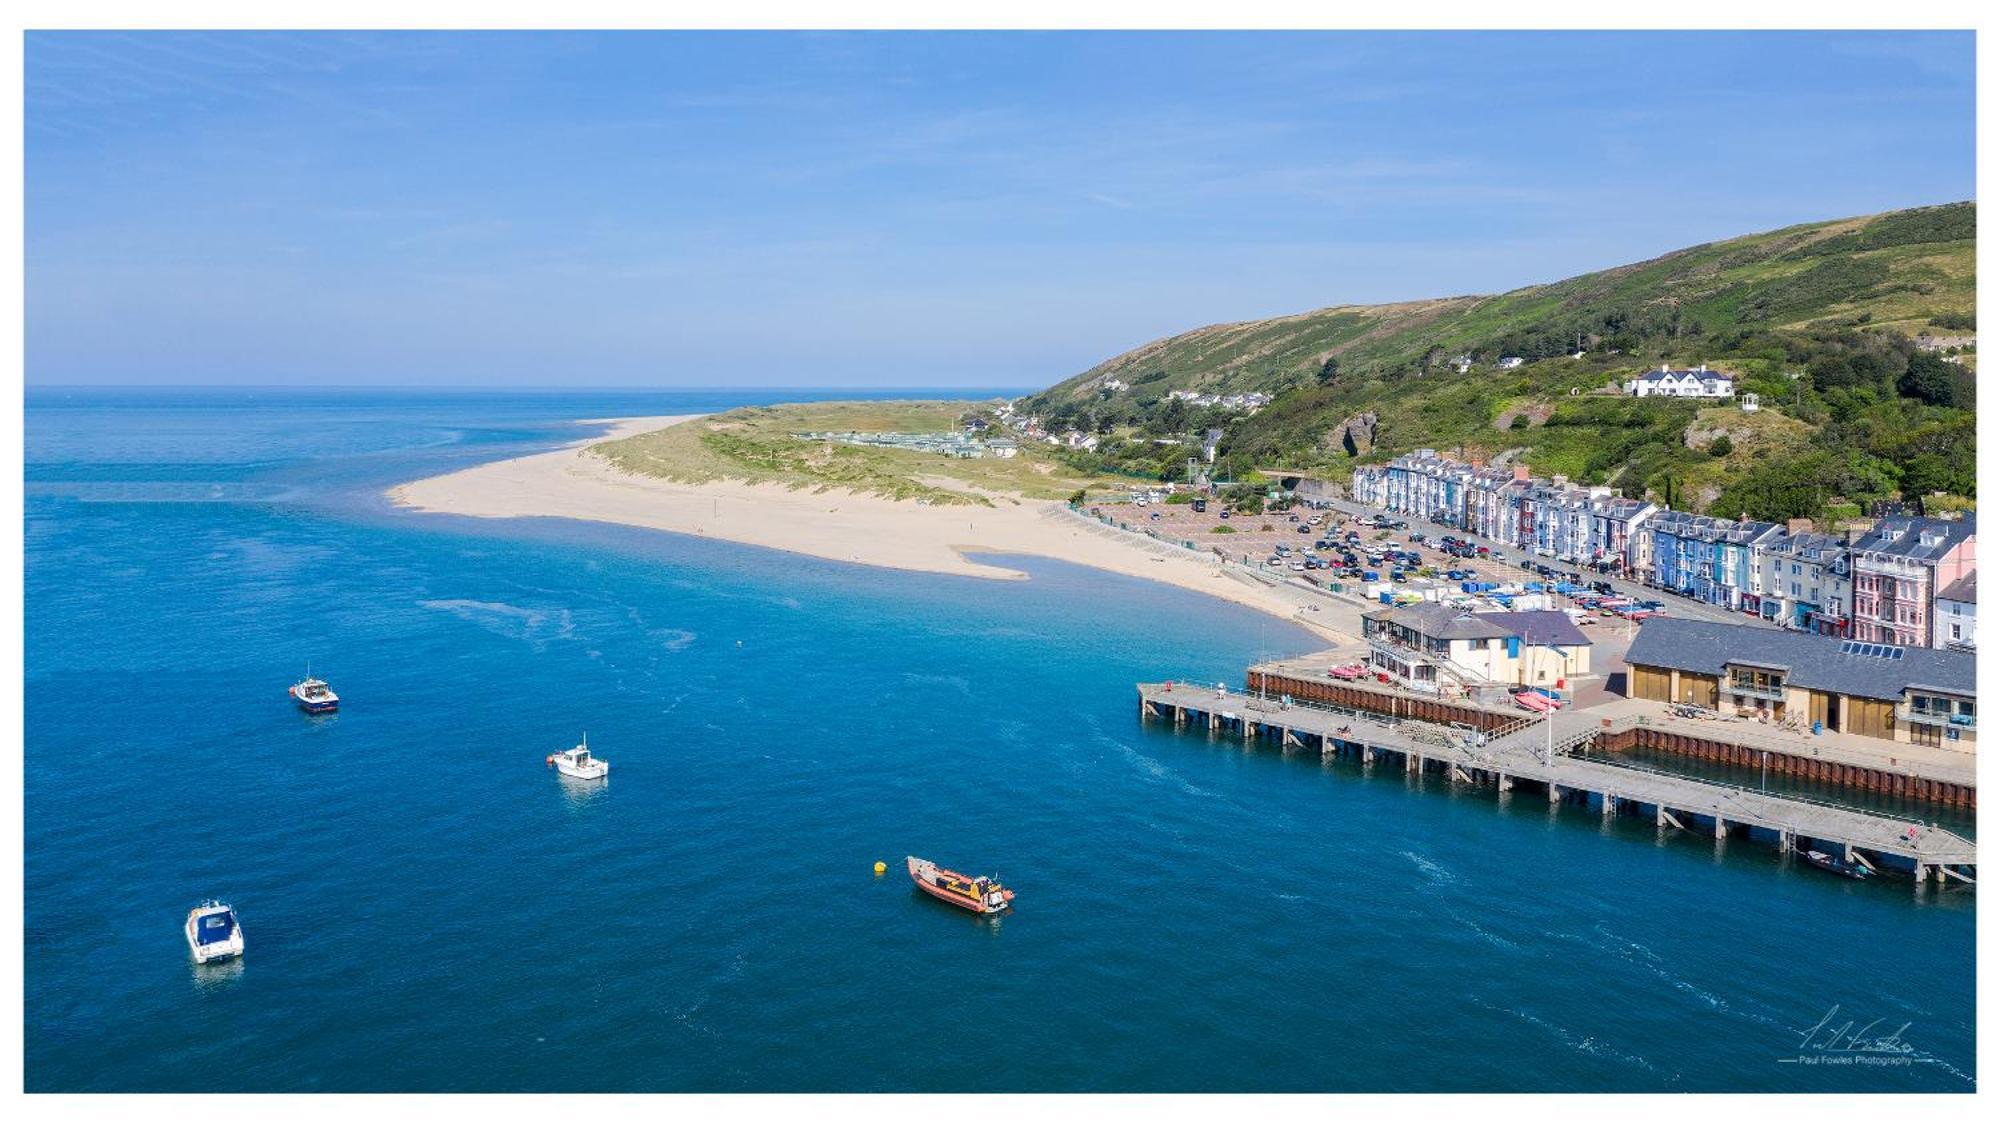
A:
[575,483]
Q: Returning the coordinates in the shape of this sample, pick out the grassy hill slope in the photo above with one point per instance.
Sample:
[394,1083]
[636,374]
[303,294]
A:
[1819,319]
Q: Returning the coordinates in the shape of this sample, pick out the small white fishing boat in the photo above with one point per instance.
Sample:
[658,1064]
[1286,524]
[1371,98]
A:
[313,695]
[212,932]
[578,764]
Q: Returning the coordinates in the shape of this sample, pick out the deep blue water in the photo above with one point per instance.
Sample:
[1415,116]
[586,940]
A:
[428,908]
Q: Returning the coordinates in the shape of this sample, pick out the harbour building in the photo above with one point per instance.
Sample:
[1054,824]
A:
[1914,695]
[1428,647]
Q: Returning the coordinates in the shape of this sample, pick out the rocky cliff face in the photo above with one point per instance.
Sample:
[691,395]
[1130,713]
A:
[1354,436]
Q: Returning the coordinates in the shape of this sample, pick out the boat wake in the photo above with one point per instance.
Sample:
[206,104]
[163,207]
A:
[1159,771]
[1588,1046]
[1435,873]
[532,626]
[956,682]
[1490,937]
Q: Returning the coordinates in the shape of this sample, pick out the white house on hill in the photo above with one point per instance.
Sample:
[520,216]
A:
[1700,382]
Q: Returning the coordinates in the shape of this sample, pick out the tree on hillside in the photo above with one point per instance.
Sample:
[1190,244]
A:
[1931,380]
[1928,472]
[1794,488]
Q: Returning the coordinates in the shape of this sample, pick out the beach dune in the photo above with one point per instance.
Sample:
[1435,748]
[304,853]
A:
[576,483]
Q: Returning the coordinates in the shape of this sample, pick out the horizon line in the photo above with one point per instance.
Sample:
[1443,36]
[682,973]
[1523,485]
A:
[292,387]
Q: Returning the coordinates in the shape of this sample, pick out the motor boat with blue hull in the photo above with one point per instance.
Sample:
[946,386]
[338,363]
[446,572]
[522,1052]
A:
[1831,863]
[213,932]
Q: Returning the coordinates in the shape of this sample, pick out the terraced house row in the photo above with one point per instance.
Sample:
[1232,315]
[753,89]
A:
[1906,581]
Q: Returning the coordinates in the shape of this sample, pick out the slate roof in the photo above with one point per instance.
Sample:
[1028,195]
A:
[1808,545]
[1816,662]
[1683,375]
[1964,589]
[1903,536]
[1440,621]
[1748,532]
[1540,626]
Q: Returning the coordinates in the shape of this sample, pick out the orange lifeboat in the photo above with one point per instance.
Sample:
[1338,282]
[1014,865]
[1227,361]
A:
[974,894]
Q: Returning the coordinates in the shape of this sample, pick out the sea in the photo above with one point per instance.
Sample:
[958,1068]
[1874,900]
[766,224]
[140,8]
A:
[429,908]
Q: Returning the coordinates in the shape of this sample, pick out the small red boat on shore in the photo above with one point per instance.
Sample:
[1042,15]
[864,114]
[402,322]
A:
[975,894]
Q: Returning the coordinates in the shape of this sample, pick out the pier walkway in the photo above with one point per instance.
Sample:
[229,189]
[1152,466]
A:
[1895,768]
[1538,751]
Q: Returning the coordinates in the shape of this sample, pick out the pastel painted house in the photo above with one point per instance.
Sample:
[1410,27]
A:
[1900,567]
[1807,584]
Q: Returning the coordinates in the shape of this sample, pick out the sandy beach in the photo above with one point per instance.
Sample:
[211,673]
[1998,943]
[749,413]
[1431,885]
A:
[573,482]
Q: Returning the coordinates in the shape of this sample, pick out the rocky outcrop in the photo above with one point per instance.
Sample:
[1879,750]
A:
[1354,436]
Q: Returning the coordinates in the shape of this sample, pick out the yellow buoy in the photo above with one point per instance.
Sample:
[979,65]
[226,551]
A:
[881,867]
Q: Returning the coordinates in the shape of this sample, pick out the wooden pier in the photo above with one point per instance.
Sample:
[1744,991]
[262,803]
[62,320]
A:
[1536,751]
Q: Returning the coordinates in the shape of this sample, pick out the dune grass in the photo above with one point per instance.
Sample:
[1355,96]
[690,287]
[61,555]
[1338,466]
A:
[758,444]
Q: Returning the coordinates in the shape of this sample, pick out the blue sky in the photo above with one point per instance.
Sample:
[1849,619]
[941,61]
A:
[894,209]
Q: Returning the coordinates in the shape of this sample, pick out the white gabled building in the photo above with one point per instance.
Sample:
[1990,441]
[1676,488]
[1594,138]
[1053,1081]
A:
[1371,486]
[1957,614]
[1700,382]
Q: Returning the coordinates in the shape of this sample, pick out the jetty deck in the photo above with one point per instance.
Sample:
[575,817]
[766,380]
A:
[1539,751]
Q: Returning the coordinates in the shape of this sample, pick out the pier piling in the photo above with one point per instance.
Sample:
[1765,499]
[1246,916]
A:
[1507,756]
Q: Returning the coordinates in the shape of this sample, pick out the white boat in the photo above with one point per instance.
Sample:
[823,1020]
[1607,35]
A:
[313,695]
[212,932]
[578,764]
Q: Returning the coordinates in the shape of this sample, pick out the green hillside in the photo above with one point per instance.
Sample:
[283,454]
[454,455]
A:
[1820,320]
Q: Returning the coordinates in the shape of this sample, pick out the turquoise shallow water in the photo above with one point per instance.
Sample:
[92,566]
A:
[428,908]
